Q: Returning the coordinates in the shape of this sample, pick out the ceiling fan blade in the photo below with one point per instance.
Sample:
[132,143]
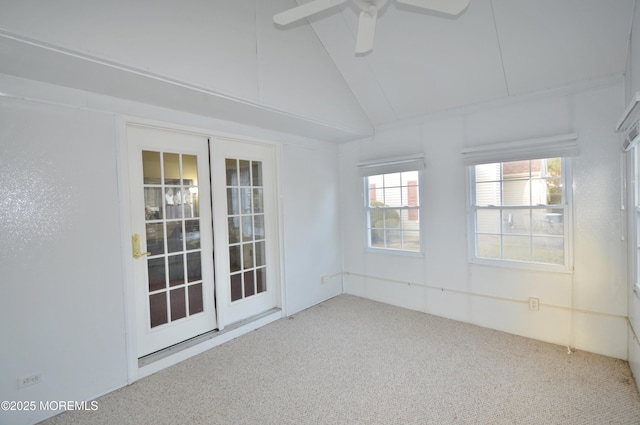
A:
[366,30]
[449,7]
[304,10]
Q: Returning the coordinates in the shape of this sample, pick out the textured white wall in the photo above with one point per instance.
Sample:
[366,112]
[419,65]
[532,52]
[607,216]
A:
[597,288]
[311,218]
[62,307]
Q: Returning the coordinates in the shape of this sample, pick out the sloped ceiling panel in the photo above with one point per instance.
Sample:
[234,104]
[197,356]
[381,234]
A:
[552,43]
[223,59]
[203,43]
[298,75]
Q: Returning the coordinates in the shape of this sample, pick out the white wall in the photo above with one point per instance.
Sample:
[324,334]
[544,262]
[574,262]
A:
[61,309]
[632,82]
[63,306]
[585,309]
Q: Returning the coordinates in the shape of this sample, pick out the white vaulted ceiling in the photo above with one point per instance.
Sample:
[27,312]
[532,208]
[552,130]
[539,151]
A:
[226,59]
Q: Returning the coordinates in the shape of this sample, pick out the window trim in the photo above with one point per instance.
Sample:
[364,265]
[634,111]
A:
[389,166]
[567,182]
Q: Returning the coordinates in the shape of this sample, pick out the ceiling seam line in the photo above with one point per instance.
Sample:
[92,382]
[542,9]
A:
[335,64]
[373,74]
[495,28]
[258,58]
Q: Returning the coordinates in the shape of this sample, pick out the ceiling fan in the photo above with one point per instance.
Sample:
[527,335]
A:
[368,14]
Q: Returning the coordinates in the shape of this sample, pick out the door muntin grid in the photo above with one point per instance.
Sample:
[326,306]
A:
[246,228]
[172,222]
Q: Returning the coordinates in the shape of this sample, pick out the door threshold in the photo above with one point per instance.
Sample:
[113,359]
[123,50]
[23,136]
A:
[229,330]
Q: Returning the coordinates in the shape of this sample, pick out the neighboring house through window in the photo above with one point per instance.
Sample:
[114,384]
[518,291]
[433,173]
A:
[520,203]
[392,204]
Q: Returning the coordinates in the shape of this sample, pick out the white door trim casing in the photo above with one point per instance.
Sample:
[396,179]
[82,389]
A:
[134,371]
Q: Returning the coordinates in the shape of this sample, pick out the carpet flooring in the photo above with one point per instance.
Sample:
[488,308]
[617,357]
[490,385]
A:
[356,361]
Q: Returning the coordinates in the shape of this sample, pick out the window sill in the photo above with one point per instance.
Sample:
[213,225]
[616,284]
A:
[534,267]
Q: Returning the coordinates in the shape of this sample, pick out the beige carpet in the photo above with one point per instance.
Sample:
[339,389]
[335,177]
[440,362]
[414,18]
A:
[354,361]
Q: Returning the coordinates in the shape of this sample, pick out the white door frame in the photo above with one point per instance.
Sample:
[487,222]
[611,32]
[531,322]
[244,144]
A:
[130,321]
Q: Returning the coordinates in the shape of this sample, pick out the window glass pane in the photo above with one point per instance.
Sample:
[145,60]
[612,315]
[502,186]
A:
[377,238]
[515,170]
[488,221]
[392,179]
[393,196]
[487,172]
[516,221]
[488,246]
[548,221]
[516,192]
[548,250]
[516,248]
[411,240]
[554,191]
[488,194]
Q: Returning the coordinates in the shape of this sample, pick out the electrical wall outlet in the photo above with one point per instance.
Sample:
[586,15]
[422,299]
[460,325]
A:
[27,381]
[534,304]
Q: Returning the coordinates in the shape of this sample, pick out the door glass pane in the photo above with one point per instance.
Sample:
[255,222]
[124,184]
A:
[195,299]
[192,230]
[247,256]
[178,304]
[232,172]
[245,173]
[171,168]
[246,222]
[174,236]
[236,287]
[176,270]
[248,284]
[158,309]
[151,167]
[190,170]
[153,203]
[261,284]
[234,229]
[194,266]
[155,238]
[156,272]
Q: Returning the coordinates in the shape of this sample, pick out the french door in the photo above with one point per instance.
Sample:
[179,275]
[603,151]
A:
[172,240]
[185,188]
[244,182]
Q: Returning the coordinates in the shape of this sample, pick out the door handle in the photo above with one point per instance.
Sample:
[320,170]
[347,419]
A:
[135,247]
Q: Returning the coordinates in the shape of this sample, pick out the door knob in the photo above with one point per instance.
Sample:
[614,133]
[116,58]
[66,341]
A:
[135,247]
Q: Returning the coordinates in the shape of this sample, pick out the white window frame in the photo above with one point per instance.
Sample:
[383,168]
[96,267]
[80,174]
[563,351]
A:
[389,166]
[563,146]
